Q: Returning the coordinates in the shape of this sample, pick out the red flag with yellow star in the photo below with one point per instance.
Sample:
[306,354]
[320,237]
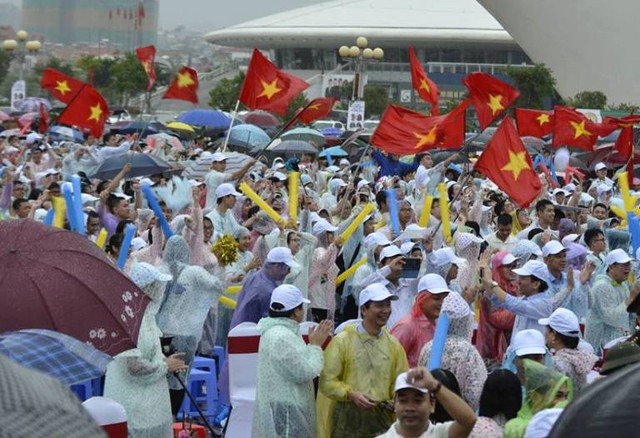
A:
[147,55]
[505,161]
[61,86]
[405,132]
[490,96]
[316,109]
[184,86]
[572,128]
[268,88]
[534,123]
[425,87]
[43,119]
[87,110]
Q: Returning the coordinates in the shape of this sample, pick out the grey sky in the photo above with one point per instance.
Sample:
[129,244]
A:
[207,15]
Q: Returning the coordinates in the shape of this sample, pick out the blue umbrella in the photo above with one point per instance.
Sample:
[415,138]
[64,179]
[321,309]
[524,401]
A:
[248,136]
[56,354]
[207,118]
[64,133]
[335,151]
[332,132]
[141,165]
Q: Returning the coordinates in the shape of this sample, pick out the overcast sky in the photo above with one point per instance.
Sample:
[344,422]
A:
[207,15]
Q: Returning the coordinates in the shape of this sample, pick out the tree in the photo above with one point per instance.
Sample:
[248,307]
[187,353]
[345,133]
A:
[376,99]
[5,62]
[298,102]
[588,99]
[54,63]
[624,108]
[225,94]
[535,84]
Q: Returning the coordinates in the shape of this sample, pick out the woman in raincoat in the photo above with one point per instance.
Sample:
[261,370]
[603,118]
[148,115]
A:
[285,403]
[137,379]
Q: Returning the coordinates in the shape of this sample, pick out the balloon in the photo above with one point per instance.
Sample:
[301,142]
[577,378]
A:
[561,160]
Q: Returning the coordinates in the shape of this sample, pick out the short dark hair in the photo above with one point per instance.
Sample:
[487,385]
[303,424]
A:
[599,204]
[542,204]
[122,225]
[115,241]
[534,232]
[92,214]
[107,136]
[501,394]
[543,284]
[449,381]
[381,198]
[53,186]
[591,234]
[277,314]
[474,226]
[559,214]
[568,341]
[505,219]
[18,202]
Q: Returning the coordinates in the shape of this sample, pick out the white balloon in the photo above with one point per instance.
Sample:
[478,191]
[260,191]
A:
[561,160]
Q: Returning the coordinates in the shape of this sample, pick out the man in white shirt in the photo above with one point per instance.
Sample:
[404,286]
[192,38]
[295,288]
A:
[217,176]
[601,175]
[222,216]
[545,214]
[502,238]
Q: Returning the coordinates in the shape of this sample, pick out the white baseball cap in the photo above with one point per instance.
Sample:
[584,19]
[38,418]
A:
[407,247]
[552,247]
[534,268]
[600,166]
[569,238]
[389,251]
[33,137]
[434,284]
[323,226]
[226,189]
[602,189]
[281,254]
[560,191]
[195,183]
[413,231]
[289,296]
[376,238]
[403,383]
[508,259]
[138,243]
[217,157]
[121,195]
[564,321]
[344,161]
[529,341]
[617,256]
[375,292]
[87,198]
[280,176]
[446,255]
[571,187]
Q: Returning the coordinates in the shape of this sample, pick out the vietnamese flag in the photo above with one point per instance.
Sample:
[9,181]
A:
[316,109]
[505,161]
[534,123]
[88,110]
[425,87]
[405,132]
[490,96]
[184,86]
[43,119]
[146,55]
[624,144]
[572,128]
[63,87]
[268,88]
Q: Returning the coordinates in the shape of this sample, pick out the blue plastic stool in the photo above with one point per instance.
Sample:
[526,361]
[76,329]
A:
[204,363]
[203,385]
[83,390]
[218,352]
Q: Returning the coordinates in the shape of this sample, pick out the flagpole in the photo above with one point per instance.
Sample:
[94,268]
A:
[233,119]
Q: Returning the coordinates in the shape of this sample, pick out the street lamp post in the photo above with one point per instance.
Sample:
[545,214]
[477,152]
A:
[20,48]
[360,54]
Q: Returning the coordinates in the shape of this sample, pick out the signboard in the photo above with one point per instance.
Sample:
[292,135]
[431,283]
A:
[405,96]
[18,92]
[592,114]
[337,80]
[355,116]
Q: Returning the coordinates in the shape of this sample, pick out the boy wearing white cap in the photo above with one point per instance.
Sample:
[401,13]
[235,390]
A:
[222,215]
[217,176]
[361,364]
[608,318]
[601,175]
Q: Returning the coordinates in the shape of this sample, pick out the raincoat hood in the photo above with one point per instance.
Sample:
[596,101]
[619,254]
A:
[266,324]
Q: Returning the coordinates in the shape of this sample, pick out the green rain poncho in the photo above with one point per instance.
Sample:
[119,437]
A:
[285,405]
[542,385]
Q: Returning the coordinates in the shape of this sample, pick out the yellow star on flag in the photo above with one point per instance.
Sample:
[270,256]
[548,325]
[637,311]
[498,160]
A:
[495,103]
[96,112]
[147,66]
[424,85]
[517,163]
[269,89]
[580,129]
[185,80]
[543,118]
[428,139]
[315,106]
[62,87]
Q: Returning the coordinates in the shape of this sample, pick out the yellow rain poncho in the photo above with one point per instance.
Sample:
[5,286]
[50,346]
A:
[356,361]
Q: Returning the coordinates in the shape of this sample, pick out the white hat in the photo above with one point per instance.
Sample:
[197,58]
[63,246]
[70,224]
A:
[444,256]
[389,251]
[195,183]
[281,254]
[508,259]
[571,187]
[602,189]
[51,171]
[560,191]
[306,179]
[362,183]
[10,150]
[600,166]
[280,176]
[336,183]
[33,137]
[121,195]
[217,157]
[206,156]
[569,238]
[376,238]
[323,226]
[289,296]
[407,247]
[332,169]
[434,284]
[552,247]
[563,321]
[529,341]
[413,231]
[277,165]
[138,243]
[617,256]
[146,182]
[197,151]
[534,268]
[344,161]
[226,189]
[87,198]
[143,274]
[375,292]
[403,383]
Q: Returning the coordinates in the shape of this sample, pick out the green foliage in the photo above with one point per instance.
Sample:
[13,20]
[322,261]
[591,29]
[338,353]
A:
[54,63]
[5,61]
[535,84]
[225,94]
[298,102]
[376,99]
[624,108]
[588,99]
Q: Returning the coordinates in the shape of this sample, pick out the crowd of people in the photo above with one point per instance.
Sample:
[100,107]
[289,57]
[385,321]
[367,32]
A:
[534,298]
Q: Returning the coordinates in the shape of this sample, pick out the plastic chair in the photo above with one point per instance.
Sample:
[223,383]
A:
[219,354]
[204,363]
[84,390]
[203,385]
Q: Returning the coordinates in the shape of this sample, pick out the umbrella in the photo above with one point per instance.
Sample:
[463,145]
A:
[335,151]
[304,134]
[32,104]
[163,138]
[439,156]
[179,126]
[9,132]
[4,117]
[248,136]
[292,147]
[57,354]
[27,119]
[262,119]
[207,118]
[332,132]
[202,166]
[64,133]
[139,126]
[605,406]
[534,145]
[141,165]
[58,280]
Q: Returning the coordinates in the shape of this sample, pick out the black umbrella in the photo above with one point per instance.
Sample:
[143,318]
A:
[141,165]
[293,147]
[607,406]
